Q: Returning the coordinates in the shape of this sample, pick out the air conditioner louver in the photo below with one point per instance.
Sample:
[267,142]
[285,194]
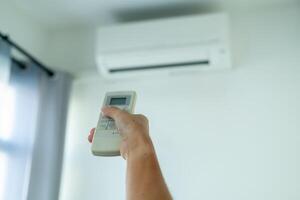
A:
[162,66]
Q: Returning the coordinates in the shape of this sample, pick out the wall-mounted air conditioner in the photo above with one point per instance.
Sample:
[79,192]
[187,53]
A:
[182,44]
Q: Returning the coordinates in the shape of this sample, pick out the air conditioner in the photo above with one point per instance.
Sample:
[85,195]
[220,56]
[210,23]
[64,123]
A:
[181,44]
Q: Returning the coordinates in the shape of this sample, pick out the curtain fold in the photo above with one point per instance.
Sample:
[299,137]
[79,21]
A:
[25,86]
[6,115]
[33,148]
[49,143]
[5,63]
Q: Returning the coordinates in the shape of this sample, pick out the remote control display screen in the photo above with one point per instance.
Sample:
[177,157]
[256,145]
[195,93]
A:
[117,101]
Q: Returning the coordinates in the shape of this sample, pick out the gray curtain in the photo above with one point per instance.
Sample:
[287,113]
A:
[49,144]
[5,52]
[35,148]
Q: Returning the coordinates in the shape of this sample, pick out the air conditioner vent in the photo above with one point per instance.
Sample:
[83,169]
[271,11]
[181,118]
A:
[164,66]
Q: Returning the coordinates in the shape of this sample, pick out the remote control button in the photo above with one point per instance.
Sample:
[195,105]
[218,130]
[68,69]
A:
[105,119]
[104,133]
[116,132]
[102,125]
[111,125]
[106,127]
[126,109]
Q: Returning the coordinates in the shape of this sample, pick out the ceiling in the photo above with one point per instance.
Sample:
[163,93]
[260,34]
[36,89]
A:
[86,12]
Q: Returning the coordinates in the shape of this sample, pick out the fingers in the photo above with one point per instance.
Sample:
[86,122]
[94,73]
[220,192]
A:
[123,150]
[142,117]
[113,112]
[91,135]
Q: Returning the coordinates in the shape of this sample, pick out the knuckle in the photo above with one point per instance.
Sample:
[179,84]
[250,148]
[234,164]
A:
[117,112]
[143,117]
[115,109]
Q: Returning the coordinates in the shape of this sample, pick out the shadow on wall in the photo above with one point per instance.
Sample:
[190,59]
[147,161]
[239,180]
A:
[165,11]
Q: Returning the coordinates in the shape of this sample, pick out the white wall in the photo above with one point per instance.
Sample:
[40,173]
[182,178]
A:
[23,29]
[225,135]
[71,49]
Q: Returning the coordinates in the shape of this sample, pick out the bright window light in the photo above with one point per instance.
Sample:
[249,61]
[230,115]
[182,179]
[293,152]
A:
[3,166]
[7,111]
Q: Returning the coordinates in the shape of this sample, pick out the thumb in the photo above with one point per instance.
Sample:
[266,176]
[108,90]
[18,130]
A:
[112,112]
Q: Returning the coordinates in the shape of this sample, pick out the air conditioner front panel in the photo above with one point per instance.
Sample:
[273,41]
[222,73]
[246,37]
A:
[154,57]
[163,32]
[194,43]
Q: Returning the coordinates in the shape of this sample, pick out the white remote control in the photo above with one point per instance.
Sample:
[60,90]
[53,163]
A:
[107,139]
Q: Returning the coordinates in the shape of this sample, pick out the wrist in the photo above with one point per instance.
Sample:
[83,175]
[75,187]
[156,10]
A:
[141,147]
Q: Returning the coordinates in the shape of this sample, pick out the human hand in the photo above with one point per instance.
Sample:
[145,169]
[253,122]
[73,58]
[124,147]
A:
[134,130]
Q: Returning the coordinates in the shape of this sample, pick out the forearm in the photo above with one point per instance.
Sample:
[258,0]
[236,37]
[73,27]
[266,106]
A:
[144,177]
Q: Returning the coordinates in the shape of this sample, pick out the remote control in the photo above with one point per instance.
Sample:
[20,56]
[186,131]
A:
[107,139]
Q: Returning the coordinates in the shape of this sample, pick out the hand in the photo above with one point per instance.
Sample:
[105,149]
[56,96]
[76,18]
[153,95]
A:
[134,130]
[144,179]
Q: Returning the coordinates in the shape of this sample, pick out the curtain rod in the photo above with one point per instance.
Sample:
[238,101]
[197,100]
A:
[28,55]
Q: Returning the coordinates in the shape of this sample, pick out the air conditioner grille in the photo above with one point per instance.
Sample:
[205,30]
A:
[160,66]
